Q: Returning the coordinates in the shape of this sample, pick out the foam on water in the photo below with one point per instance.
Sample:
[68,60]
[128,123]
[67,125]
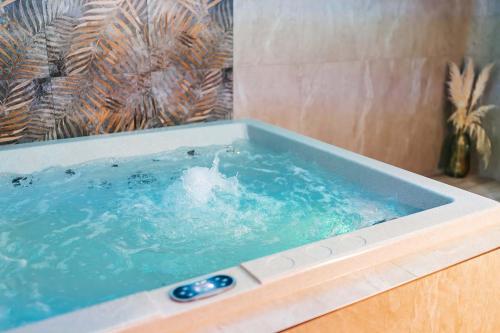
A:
[200,182]
[78,236]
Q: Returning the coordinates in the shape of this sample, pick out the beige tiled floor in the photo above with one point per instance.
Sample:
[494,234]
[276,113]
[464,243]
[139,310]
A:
[486,187]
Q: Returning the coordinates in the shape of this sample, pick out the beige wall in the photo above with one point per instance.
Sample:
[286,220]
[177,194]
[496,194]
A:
[484,47]
[366,75]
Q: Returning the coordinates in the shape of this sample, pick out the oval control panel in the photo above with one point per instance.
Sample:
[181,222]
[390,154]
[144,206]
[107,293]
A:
[203,288]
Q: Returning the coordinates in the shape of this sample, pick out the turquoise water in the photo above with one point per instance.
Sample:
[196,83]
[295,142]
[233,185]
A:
[73,237]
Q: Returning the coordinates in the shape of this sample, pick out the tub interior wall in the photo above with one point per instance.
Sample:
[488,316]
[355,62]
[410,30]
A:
[27,158]
[369,178]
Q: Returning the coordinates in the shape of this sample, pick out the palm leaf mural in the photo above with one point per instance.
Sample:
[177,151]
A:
[14,105]
[81,67]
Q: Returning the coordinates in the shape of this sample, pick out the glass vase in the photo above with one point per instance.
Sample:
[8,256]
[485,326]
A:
[459,162]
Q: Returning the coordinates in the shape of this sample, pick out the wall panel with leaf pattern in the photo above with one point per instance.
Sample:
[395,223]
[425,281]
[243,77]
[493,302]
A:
[82,67]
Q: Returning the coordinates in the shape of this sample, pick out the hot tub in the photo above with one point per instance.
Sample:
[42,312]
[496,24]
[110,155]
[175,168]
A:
[97,231]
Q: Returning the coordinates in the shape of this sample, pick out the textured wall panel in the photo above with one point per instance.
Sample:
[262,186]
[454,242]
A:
[367,75]
[484,47]
[82,67]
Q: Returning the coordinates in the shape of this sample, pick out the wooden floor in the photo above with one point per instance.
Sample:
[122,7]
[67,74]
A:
[489,188]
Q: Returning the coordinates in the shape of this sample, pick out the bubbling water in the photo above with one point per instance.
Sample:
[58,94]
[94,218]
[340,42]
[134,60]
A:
[74,237]
[200,183]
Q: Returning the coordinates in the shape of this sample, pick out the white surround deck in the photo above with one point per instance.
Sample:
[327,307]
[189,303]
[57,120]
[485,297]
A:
[458,214]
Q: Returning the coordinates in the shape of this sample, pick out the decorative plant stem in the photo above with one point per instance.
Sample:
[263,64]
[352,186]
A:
[465,91]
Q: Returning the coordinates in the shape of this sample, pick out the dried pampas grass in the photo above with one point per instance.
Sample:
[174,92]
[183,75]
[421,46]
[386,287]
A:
[465,92]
